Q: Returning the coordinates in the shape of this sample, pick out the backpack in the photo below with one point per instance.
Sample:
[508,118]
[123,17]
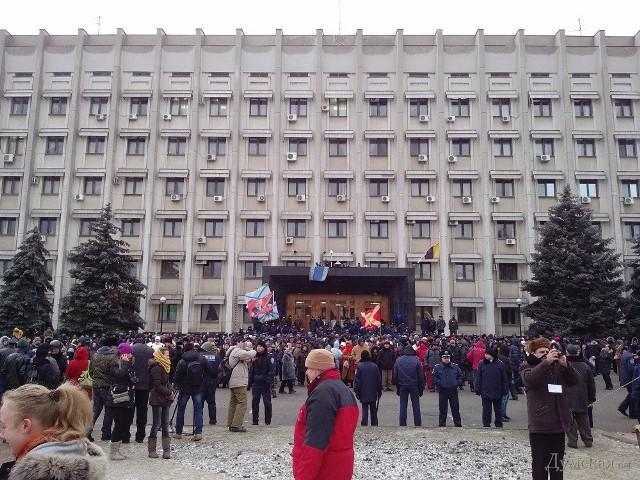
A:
[195,374]
[225,369]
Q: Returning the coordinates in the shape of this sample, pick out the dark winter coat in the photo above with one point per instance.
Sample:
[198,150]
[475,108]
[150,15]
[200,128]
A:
[262,370]
[212,372]
[447,376]
[635,386]
[142,353]
[101,366]
[515,356]
[182,376]
[160,394]
[15,370]
[407,371]
[491,380]
[122,375]
[626,367]
[604,361]
[386,358]
[367,384]
[433,356]
[288,366]
[44,371]
[62,362]
[583,393]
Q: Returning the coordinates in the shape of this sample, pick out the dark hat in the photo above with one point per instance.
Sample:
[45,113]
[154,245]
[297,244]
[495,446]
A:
[445,354]
[492,350]
[365,356]
[573,350]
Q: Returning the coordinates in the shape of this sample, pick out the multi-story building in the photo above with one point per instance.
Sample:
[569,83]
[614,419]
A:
[221,154]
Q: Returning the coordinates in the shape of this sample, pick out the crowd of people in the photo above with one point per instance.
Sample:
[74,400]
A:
[121,376]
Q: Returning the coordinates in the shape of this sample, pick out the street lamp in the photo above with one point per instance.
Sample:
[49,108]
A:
[519,303]
[163,300]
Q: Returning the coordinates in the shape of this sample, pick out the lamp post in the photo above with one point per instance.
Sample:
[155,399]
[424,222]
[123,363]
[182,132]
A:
[519,303]
[163,300]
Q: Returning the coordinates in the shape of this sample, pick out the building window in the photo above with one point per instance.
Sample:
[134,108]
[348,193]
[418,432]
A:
[92,186]
[296,228]
[258,107]
[50,185]
[252,269]
[170,269]
[631,230]
[296,186]
[508,272]
[135,145]
[255,187]
[583,108]
[215,187]
[177,146]
[214,228]
[337,186]
[505,230]
[337,107]
[337,228]
[58,106]
[463,230]
[502,147]
[629,188]
[459,107]
[19,105]
[588,188]
[378,107]
[419,187]
[85,227]
[255,228]
[11,186]
[139,106]
[586,147]
[504,188]
[217,146]
[422,271]
[378,264]
[379,229]
[338,147]
[378,187]
[172,228]
[98,106]
[461,188]
[133,186]
[174,186]
[298,146]
[130,227]
[418,106]
[419,146]
[466,315]
[14,145]
[257,147]
[48,226]
[623,108]
[7,227]
[218,107]
[295,263]
[627,148]
[541,107]
[501,107]
[298,106]
[378,147]
[461,147]
[421,229]
[465,272]
[95,145]
[209,314]
[168,313]
[54,146]
[212,269]
[546,188]
[179,106]
[544,146]
[509,315]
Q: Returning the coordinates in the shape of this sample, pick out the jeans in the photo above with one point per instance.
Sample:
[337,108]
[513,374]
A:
[160,420]
[487,405]
[209,396]
[121,423]
[183,399]
[405,393]
[237,406]
[448,397]
[366,408]
[101,396]
[141,400]
[503,405]
[387,379]
[547,455]
[606,376]
[264,392]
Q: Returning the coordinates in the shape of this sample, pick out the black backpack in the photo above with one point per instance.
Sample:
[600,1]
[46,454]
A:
[195,373]
[225,369]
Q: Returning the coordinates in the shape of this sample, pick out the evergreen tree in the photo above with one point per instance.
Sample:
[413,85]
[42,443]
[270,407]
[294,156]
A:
[632,310]
[23,295]
[106,296]
[576,274]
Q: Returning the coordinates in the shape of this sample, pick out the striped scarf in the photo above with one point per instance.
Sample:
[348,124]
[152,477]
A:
[162,357]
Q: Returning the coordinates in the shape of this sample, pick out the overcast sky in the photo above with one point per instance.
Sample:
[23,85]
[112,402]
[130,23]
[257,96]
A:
[617,17]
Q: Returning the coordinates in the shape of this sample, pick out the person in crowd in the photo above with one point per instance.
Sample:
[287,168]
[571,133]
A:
[121,400]
[604,364]
[211,354]
[579,397]
[238,360]
[625,374]
[515,361]
[323,441]
[44,369]
[261,376]
[274,358]
[453,326]
[78,365]
[634,407]
[16,367]
[160,399]
[447,377]
[474,356]
[288,372]
[491,385]
[441,325]
[190,380]
[431,360]
[56,351]
[142,354]
[386,360]
[546,376]
[46,433]
[367,387]
[7,347]
[503,356]
[409,380]
[100,368]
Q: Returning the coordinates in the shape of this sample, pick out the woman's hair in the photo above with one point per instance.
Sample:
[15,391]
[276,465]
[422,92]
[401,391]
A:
[64,413]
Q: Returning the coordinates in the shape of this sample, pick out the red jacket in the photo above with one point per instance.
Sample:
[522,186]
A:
[476,354]
[324,431]
[78,365]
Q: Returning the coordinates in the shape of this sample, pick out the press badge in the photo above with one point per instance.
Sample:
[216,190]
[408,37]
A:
[554,388]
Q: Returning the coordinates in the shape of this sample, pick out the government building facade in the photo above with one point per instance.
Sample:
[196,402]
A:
[224,154]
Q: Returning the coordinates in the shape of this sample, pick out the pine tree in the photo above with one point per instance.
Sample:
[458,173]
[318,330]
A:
[576,274]
[106,296]
[632,310]
[23,295]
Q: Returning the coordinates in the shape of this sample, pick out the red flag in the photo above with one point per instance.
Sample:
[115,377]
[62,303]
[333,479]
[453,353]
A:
[371,319]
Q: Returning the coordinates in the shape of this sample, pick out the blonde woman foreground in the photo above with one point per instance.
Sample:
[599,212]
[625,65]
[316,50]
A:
[45,430]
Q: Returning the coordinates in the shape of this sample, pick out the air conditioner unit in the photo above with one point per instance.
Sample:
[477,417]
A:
[176,197]
[292,117]
[202,240]
[79,197]
[101,117]
[218,198]
[453,223]
[494,199]
[410,222]
[452,159]
[505,118]
[430,199]
[341,198]
[200,262]
[133,116]
[166,117]
[467,200]
[8,158]
[385,199]
[43,238]
[261,198]
[211,157]
[585,199]
[423,158]
[627,201]
[301,198]
[292,156]
[544,158]
[424,118]
[115,180]
[324,108]
[288,240]
[34,180]
[510,241]
[451,118]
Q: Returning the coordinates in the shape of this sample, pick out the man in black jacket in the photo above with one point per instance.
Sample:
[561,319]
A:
[386,360]
[447,377]
[260,379]
[368,388]
[491,384]
[189,378]
[142,353]
[409,379]
[16,366]
[579,397]
[211,378]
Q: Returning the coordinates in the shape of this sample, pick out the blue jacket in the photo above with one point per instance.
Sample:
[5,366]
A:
[515,357]
[626,366]
[635,386]
[407,371]
[447,376]
[491,380]
[367,384]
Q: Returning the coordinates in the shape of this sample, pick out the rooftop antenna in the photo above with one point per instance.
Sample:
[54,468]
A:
[98,23]
[339,17]
[579,26]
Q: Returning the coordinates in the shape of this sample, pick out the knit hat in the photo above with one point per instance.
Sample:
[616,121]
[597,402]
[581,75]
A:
[537,343]
[573,350]
[209,347]
[493,351]
[124,349]
[320,359]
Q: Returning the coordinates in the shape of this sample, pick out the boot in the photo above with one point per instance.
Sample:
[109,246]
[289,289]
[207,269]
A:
[166,447]
[114,453]
[151,444]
